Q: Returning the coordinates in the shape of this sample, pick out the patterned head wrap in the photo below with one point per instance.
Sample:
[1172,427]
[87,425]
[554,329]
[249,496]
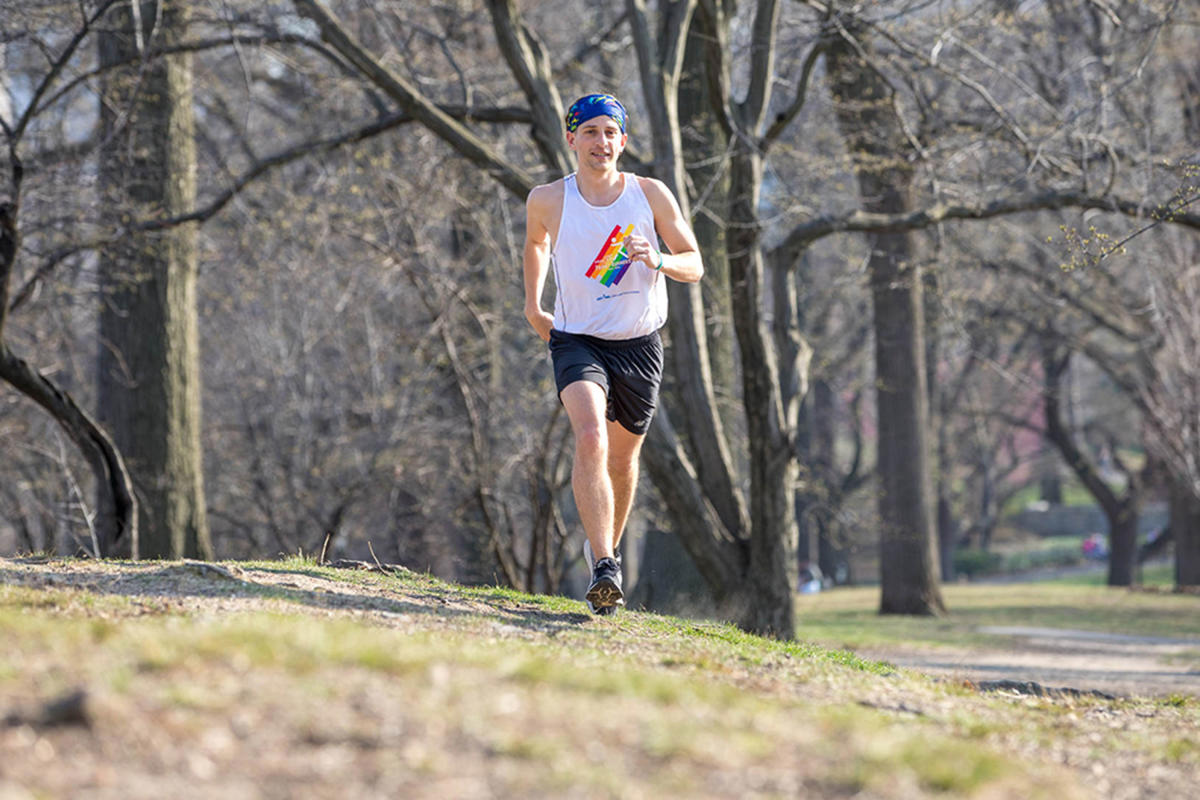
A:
[595,105]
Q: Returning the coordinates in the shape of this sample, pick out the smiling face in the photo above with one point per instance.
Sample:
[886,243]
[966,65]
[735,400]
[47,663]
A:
[598,143]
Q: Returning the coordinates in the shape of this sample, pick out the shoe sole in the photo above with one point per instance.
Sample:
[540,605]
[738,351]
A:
[605,593]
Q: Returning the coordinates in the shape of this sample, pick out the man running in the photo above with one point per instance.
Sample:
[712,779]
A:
[598,229]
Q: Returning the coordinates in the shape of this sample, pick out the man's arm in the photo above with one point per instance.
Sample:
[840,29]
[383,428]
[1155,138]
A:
[683,263]
[537,259]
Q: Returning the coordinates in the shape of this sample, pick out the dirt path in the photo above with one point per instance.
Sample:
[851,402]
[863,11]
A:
[1054,657]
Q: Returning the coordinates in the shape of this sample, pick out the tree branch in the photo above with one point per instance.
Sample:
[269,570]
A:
[785,117]
[762,65]
[214,206]
[529,64]
[118,516]
[192,47]
[717,63]
[56,69]
[411,100]
[1056,431]
[869,222]
[1079,303]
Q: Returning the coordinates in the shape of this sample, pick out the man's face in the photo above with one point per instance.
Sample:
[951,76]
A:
[598,143]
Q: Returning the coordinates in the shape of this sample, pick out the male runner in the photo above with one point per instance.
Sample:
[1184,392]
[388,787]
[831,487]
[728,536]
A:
[598,229]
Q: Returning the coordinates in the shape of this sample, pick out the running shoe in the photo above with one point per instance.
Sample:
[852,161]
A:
[605,590]
[590,560]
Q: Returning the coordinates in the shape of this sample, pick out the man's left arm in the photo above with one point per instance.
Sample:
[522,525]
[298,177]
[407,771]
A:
[683,262]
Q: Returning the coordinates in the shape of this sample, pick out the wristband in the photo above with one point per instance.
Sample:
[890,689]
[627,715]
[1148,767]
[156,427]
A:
[660,262]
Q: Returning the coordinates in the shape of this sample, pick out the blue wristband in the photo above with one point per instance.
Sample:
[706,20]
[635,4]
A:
[660,262]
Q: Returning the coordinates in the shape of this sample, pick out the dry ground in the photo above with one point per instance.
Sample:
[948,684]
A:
[186,680]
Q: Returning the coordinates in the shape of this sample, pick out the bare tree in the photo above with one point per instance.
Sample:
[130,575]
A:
[365,384]
[117,512]
[149,377]
[883,168]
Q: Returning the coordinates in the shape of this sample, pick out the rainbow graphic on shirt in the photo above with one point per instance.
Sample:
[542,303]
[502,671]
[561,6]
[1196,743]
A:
[612,261]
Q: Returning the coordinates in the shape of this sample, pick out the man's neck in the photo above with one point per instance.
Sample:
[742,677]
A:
[599,187]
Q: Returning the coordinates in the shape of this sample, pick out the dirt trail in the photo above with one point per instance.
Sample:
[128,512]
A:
[1055,657]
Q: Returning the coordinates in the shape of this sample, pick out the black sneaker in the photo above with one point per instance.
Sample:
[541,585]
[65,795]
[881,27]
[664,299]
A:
[605,590]
[602,611]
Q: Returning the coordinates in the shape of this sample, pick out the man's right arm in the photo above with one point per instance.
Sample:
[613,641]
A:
[537,260]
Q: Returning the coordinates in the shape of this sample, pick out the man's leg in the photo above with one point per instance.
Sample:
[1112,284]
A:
[584,402]
[623,450]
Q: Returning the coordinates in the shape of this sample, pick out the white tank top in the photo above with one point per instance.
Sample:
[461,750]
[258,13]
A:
[600,291]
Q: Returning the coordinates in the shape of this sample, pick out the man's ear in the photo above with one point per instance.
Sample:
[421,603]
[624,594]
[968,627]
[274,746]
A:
[571,139]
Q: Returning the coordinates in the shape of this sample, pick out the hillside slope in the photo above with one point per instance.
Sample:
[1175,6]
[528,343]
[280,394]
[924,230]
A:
[190,680]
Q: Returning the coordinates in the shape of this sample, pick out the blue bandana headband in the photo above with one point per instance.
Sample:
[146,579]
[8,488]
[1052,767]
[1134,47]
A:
[595,105]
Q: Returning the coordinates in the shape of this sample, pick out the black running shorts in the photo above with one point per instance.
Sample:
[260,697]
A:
[629,371]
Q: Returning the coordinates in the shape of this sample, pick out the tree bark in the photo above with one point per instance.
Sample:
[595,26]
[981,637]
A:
[709,181]
[771,417]
[1185,530]
[149,379]
[867,119]
[770,425]
[660,62]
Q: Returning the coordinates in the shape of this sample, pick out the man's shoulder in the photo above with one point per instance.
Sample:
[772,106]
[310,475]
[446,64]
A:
[653,188]
[546,192]
[544,204]
[657,193]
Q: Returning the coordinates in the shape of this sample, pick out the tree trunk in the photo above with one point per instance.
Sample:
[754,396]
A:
[1050,489]
[832,549]
[947,525]
[770,422]
[1185,530]
[710,183]
[1122,545]
[879,149]
[149,382]
[115,521]
[1121,511]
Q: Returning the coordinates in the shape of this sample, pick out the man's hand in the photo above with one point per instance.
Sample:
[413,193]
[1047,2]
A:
[641,249]
[541,322]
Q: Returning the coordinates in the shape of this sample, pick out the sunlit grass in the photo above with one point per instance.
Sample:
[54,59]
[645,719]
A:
[848,617]
[517,680]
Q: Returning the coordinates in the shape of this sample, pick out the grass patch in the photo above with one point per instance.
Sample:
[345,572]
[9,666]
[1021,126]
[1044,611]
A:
[1157,575]
[849,617]
[1073,494]
[428,687]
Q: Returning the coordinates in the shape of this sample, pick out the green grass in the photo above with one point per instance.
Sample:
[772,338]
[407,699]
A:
[1073,495]
[1160,576]
[848,617]
[532,696]
[682,696]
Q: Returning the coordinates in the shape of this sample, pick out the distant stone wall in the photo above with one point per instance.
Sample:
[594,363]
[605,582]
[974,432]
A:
[1082,520]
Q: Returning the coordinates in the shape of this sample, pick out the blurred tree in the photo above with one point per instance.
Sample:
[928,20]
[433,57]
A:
[883,160]
[115,519]
[149,378]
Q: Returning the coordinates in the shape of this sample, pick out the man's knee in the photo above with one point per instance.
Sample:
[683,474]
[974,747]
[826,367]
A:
[622,463]
[591,441]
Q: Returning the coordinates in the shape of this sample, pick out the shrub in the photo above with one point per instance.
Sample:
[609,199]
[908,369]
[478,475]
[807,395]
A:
[972,562]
